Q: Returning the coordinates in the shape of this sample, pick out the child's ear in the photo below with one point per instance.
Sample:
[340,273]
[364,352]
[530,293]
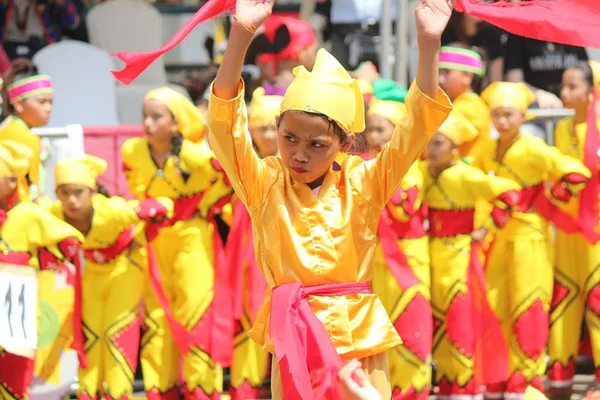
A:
[346,145]
[467,78]
[18,106]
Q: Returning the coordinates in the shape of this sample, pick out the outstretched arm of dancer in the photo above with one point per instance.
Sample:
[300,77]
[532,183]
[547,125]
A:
[427,108]
[227,116]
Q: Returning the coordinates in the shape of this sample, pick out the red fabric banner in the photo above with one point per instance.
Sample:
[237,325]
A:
[571,22]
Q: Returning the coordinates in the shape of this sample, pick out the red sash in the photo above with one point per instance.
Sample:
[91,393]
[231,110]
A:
[395,259]
[102,256]
[447,223]
[491,349]
[307,358]
[184,209]
[240,251]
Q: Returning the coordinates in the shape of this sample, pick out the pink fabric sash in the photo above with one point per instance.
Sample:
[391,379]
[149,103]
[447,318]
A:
[491,349]
[308,360]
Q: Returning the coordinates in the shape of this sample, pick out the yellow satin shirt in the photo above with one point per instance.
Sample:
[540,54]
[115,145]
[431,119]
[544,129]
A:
[326,238]
[15,129]
[459,186]
[412,179]
[529,161]
[477,112]
[571,142]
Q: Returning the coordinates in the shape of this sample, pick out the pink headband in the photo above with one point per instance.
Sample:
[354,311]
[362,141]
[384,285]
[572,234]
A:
[28,87]
[461,59]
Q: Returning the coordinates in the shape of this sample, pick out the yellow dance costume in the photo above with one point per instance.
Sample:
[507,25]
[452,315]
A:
[112,281]
[451,197]
[576,275]
[15,129]
[183,251]
[31,236]
[250,361]
[407,301]
[329,238]
[519,270]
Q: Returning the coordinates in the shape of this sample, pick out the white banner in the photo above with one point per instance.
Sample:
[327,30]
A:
[18,309]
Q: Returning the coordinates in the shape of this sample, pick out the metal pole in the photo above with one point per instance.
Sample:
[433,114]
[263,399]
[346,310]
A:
[385,26]
[402,38]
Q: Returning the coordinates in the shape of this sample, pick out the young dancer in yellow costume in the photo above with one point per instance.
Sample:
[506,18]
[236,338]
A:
[172,161]
[113,277]
[30,99]
[450,191]
[250,361]
[314,218]
[576,276]
[31,236]
[519,270]
[401,276]
[461,69]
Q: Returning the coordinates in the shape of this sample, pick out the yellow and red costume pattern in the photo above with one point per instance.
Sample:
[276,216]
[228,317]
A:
[31,236]
[407,301]
[458,347]
[576,275]
[401,275]
[112,281]
[179,312]
[250,362]
[518,265]
[324,240]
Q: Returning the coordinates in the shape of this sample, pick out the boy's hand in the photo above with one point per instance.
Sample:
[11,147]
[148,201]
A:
[432,16]
[253,13]
[355,382]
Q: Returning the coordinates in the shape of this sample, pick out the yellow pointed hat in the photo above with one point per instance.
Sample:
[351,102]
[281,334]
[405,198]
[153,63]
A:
[393,111]
[189,119]
[458,128]
[508,94]
[329,90]
[263,109]
[14,159]
[79,170]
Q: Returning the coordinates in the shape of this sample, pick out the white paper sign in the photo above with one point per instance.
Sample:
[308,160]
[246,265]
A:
[18,309]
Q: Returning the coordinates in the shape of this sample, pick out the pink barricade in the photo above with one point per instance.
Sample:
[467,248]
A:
[105,142]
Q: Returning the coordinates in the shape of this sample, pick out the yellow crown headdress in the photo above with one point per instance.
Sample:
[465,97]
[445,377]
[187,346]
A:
[329,90]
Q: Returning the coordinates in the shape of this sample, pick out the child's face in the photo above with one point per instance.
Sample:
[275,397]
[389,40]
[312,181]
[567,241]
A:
[158,122]
[8,185]
[507,120]
[35,110]
[454,82]
[379,131]
[575,92]
[307,146]
[441,151]
[76,200]
[265,139]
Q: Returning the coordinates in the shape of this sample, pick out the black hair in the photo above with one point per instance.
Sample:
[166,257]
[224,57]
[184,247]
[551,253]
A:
[478,81]
[586,70]
[101,189]
[20,69]
[176,143]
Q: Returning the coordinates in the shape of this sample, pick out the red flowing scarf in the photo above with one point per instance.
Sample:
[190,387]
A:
[572,22]
[562,21]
